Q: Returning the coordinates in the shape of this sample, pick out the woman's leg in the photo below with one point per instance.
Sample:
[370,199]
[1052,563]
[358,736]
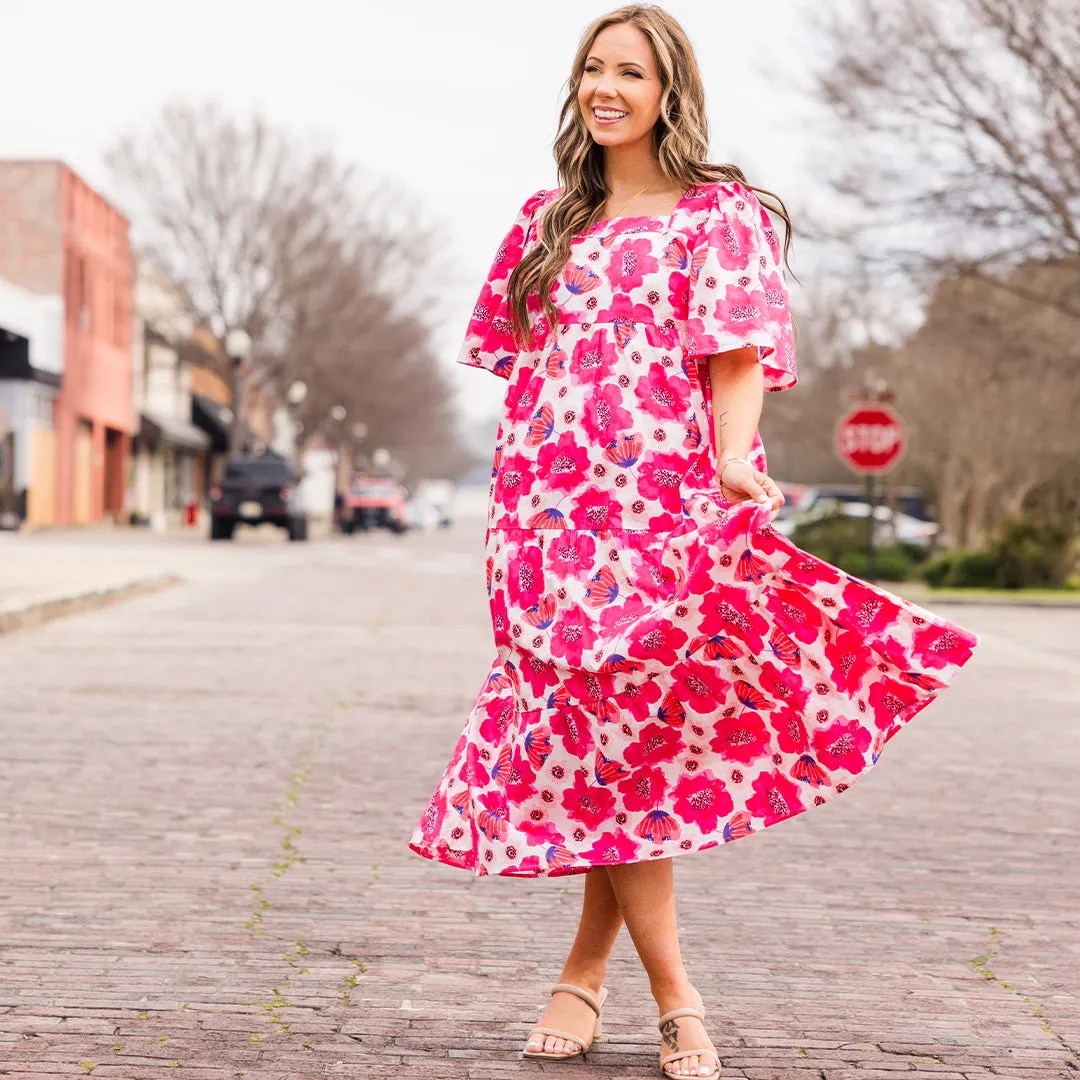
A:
[646,896]
[585,966]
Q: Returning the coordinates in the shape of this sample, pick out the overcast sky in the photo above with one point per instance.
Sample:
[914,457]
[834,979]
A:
[455,102]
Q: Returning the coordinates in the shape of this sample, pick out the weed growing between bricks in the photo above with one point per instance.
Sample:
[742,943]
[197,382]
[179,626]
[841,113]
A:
[982,965]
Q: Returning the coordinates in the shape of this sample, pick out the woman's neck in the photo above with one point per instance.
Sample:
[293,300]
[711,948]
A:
[627,168]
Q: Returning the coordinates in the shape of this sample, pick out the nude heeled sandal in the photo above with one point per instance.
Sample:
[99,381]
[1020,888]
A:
[597,1006]
[682,1055]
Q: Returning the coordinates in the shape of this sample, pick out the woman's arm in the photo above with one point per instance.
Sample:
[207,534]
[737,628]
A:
[738,390]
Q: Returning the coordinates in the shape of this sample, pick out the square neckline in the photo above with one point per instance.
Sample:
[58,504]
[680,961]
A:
[666,221]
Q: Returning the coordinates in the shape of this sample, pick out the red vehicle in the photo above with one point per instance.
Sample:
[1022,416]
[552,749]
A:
[373,502]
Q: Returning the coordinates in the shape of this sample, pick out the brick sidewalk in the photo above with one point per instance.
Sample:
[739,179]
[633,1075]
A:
[205,797]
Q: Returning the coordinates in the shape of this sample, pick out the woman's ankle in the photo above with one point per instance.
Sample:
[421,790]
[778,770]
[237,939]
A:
[674,991]
[589,978]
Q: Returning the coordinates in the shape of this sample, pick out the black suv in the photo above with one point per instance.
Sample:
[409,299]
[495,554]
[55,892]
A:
[255,490]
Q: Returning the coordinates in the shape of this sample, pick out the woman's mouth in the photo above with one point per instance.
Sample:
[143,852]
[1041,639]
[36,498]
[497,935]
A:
[608,116]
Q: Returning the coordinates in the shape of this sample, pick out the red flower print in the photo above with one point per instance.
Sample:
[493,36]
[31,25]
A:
[889,698]
[728,610]
[520,784]
[594,509]
[867,610]
[842,745]
[702,800]
[615,618]
[806,569]
[514,480]
[571,636]
[629,262]
[942,646]
[775,797]
[784,685]
[590,804]
[525,578]
[660,477]
[570,554]
[658,640]
[849,661]
[612,848]
[473,773]
[679,293]
[563,464]
[603,418]
[491,820]
[742,737]
[593,359]
[498,716]
[655,743]
[571,726]
[700,685]
[663,394]
[790,730]
[538,674]
[639,698]
[795,613]
[643,789]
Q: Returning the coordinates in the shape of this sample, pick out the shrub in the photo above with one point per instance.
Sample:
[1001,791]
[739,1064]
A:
[961,569]
[890,564]
[831,537]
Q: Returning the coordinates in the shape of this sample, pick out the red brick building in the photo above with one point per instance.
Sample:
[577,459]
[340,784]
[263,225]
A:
[59,237]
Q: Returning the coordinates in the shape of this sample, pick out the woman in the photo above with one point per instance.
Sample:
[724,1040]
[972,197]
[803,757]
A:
[671,672]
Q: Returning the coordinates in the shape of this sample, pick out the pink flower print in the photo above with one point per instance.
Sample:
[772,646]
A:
[742,311]
[612,848]
[660,477]
[595,509]
[571,726]
[842,745]
[728,610]
[700,686]
[807,569]
[623,309]
[473,771]
[523,396]
[783,685]
[657,640]
[570,553]
[679,293]
[514,480]
[629,262]
[662,394]
[579,279]
[520,784]
[702,799]
[890,700]
[564,463]
[491,820]
[796,613]
[500,618]
[942,646]
[570,636]
[590,804]
[655,743]
[734,242]
[775,797]
[742,737]
[791,735]
[487,306]
[602,416]
[643,789]
[658,826]
[593,360]
[639,698]
[867,610]
[618,617]
[525,578]
[498,717]
[538,674]
[649,574]
[588,686]
[849,661]
[431,821]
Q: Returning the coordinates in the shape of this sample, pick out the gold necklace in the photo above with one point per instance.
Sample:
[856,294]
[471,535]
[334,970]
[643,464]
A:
[638,195]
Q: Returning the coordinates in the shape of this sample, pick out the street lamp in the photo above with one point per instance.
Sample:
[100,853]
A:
[296,395]
[238,352]
[338,413]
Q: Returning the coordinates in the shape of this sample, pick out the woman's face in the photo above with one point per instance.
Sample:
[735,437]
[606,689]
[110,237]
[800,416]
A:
[620,89]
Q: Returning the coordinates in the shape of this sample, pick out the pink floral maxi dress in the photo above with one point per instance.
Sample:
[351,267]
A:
[670,671]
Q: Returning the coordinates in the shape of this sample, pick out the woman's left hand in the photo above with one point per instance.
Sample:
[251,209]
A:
[741,482]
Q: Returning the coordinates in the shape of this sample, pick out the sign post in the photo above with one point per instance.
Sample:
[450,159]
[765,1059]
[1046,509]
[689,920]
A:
[870,440]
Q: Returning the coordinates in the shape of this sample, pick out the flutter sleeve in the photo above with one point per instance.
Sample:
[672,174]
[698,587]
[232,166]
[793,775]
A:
[738,295]
[489,341]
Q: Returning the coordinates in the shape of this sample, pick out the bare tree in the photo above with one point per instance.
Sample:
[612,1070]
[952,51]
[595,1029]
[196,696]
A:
[961,123]
[246,218]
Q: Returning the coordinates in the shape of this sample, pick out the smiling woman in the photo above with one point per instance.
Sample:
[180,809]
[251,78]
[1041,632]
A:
[671,672]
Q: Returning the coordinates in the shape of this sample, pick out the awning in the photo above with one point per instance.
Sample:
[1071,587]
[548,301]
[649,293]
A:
[172,430]
[212,418]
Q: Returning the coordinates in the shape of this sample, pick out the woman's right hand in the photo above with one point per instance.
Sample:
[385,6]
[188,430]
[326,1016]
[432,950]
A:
[740,482]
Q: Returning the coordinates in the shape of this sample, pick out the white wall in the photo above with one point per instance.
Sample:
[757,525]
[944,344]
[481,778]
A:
[38,318]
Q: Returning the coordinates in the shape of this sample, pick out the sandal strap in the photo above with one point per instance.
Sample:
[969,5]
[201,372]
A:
[596,1004]
[677,1014]
[682,1055]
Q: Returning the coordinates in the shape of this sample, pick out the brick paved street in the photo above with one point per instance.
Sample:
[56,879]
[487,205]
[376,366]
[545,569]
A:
[205,797]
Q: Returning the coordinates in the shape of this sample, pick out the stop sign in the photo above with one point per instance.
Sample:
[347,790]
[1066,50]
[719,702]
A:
[870,438]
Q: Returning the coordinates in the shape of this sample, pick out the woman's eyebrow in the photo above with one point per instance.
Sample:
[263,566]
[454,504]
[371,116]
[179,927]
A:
[621,63]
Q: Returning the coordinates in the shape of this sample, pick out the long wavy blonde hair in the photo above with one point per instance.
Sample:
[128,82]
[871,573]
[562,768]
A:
[681,140]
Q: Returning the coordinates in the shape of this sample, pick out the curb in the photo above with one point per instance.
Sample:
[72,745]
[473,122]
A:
[35,614]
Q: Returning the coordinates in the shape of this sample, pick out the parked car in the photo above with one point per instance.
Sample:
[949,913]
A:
[373,502]
[253,491]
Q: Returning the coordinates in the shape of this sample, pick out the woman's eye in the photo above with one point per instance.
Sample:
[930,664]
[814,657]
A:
[636,74]
[591,68]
